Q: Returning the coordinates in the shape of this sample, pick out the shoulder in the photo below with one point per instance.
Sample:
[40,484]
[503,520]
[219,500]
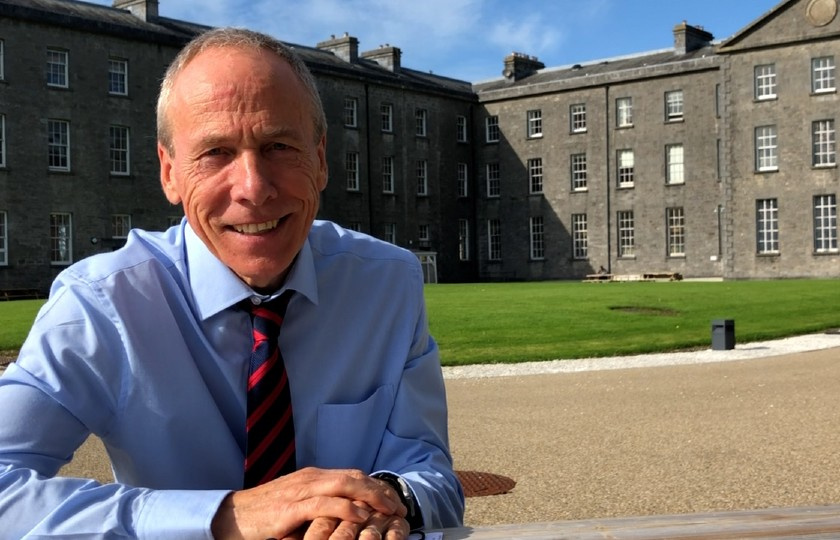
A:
[329,240]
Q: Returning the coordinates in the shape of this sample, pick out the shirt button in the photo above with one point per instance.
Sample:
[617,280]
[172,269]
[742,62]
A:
[256,300]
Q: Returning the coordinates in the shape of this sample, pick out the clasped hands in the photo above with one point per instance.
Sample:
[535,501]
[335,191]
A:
[314,504]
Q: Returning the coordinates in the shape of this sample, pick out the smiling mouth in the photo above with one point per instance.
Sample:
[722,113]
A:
[256,228]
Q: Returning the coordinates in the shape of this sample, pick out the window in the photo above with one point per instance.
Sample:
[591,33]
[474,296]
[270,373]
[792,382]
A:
[120,225]
[118,150]
[494,240]
[61,239]
[463,240]
[766,149]
[355,226]
[822,74]
[491,129]
[386,113]
[535,175]
[822,137]
[351,109]
[579,167]
[461,128]
[825,224]
[463,177]
[626,234]
[675,218]
[2,140]
[117,77]
[423,234]
[493,180]
[351,168]
[577,118]
[57,68]
[58,145]
[388,174]
[626,168]
[675,164]
[391,233]
[537,238]
[422,177]
[4,241]
[535,123]
[624,112]
[420,117]
[767,226]
[2,60]
[674,106]
[580,237]
[765,81]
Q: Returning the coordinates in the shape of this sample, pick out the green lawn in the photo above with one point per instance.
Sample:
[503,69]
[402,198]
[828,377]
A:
[515,322]
[483,323]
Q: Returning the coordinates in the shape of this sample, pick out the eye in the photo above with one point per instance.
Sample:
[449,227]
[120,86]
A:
[278,146]
[214,152]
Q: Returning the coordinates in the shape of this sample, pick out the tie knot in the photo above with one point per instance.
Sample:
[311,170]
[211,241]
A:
[268,316]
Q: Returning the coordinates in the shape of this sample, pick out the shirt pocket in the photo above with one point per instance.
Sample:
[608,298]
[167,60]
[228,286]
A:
[349,434]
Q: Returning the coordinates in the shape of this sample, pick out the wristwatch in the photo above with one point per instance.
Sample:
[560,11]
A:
[413,516]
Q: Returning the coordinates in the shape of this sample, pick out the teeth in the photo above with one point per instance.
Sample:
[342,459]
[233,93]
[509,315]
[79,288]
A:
[254,228]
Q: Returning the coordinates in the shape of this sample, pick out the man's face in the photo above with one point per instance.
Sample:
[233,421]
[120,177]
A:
[245,163]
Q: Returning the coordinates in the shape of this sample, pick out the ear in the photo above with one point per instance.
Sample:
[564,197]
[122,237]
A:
[323,170]
[167,181]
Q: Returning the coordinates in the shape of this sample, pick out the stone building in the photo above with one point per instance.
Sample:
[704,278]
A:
[708,159]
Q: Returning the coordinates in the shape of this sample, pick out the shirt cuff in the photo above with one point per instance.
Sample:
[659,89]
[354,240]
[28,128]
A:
[183,514]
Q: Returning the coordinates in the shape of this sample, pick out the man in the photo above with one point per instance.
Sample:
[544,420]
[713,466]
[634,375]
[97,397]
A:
[148,347]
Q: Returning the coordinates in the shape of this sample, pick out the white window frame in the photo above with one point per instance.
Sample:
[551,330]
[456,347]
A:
[58,145]
[675,164]
[2,60]
[577,118]
[118,76]
[463,239]
[765,81]
[494,183]
[823,79]
[494,240]
[4,238]
[825,224]
[624,112]
[351,170]
[535,126]
[491,129]
[57,67]
[422,178]
[578,167]
[823,143]
[766,149]
[388,174]
[625,222]
[461,129]
[767,226]
[2,140]
[463,180]
[351,112]
[536,226]
[61,238]
[424,235]
[535,176]
[391,233]
[120,225]
[421,118]
[386,114]
[626,168]
[675,231]
[580,237]
[119,150]
[674,106]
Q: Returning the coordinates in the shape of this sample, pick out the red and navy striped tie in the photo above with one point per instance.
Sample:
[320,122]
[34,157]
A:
[271,432]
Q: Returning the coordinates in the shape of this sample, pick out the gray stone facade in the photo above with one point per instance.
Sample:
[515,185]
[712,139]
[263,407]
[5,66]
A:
[644,163]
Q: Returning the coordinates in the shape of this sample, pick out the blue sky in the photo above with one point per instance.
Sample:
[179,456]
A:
[468,39]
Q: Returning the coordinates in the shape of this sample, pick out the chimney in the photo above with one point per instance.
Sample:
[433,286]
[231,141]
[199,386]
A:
[689,38]
[345,47]
[519,66]
[386,56]
[146,10]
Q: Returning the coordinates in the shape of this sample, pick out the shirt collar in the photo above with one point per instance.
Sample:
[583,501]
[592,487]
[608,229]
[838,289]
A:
[215,287]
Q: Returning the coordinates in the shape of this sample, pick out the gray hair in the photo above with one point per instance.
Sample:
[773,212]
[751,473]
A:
[242,39]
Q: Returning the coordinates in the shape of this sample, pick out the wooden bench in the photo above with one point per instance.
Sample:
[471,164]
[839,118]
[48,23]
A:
[20,294]
[813,522]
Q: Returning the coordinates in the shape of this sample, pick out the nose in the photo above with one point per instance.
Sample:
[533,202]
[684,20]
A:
[253,184]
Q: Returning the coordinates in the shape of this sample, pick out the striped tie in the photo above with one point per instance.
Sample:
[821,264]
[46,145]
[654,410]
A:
[269,425]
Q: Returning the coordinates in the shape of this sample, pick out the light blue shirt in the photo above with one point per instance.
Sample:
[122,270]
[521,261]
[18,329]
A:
[145,348]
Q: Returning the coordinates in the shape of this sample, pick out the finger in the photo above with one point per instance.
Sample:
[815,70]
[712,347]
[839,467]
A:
[384,527]
[346,530]
[321,528]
